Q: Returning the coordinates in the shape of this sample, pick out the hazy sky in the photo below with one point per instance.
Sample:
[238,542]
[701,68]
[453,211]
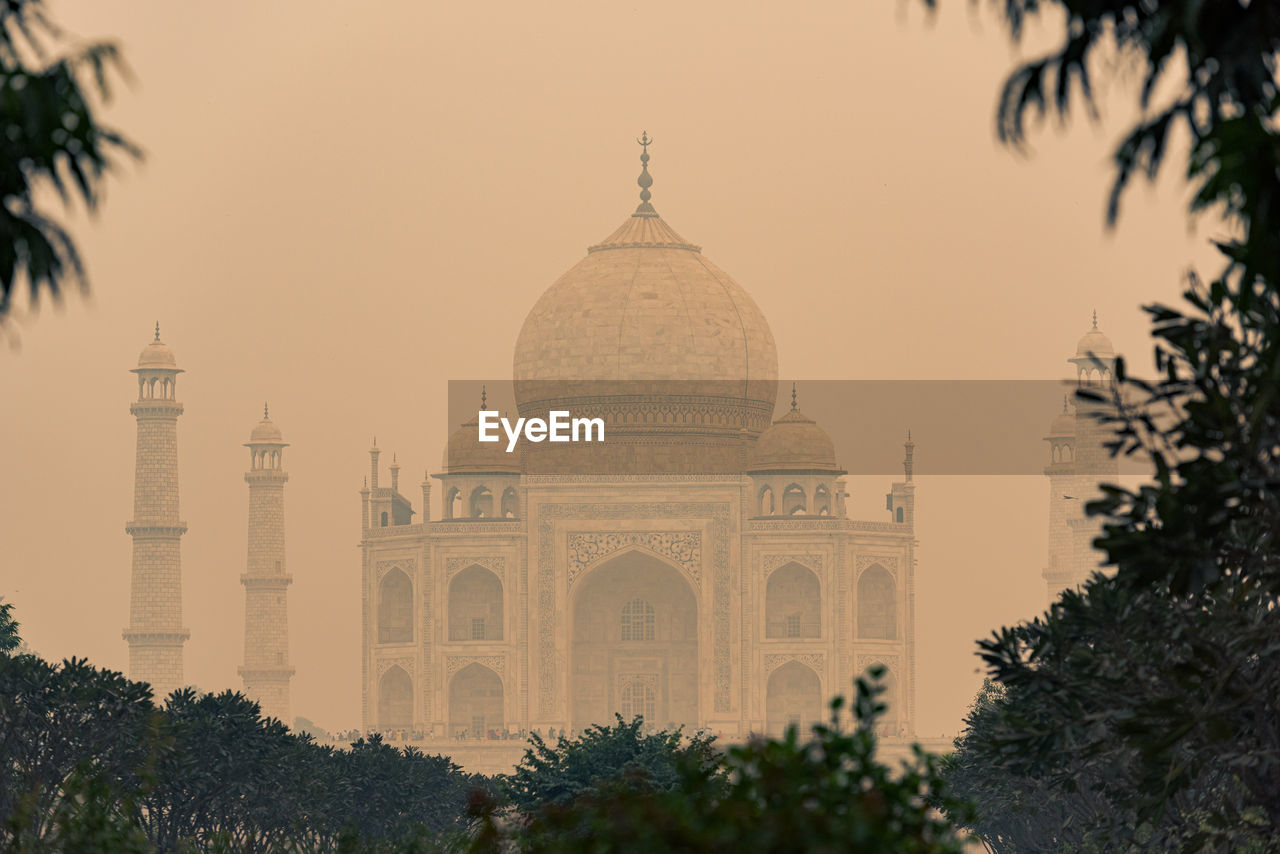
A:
[344,206]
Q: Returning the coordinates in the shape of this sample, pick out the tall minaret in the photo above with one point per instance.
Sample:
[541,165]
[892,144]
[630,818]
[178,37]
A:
[1079,461]
[266,671]
[155,634]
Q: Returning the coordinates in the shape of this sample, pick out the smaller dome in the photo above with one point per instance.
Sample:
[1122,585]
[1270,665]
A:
[1094,343]
[795,442]
[266,433]
[157,355]
[466,454]
[1064,423]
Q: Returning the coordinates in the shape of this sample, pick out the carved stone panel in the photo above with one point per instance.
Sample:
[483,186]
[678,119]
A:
[495,564]
[684,548]
[385,664]
[496,663]
[816,660]
[406,565]
[889,562]
[770,562]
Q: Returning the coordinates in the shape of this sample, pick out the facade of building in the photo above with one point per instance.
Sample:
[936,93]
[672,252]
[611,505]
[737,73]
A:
[696,568]
[266,671]
[155,633]
[1078,462]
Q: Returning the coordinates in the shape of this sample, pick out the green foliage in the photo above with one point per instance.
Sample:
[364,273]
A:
[622,752]
[10,640]
[1143,709]
[89,763]
[50,136]
[826,793]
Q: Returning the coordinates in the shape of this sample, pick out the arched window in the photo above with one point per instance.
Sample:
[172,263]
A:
[475,605]
[793,697]
[899,514]
[476,703]
[638,700]
[395,699]
[637,621]
[384,518]
[510,503]
[481,503]
[793,503]
[767,507]
[791,603]
[877,604]
[395,608]
[822,501]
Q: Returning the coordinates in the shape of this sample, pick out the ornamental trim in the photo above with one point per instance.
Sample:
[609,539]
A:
[684,548]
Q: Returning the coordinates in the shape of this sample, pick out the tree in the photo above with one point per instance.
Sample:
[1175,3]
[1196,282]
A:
[89,763]
[52,138]
[824,793]
[10,640]
[1152,691]
[623,750]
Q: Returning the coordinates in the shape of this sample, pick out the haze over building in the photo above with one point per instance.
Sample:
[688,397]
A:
[696,567]
[155,633]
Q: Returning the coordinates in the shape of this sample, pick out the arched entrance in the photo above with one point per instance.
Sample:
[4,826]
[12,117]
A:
[793,698]
[475,703]
[395,699]
[634,643]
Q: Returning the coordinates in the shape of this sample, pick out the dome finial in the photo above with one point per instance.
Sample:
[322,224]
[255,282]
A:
[794,404]
[265,415]
[645,180]
[157,332]
[484,399]
[1095,318]
[1064,404]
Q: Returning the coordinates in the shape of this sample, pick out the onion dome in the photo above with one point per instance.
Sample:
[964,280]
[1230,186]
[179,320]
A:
[648,334]
[266,432]
[795,442]
[1064,423]
[1094,343]
[157,356]
[466,454]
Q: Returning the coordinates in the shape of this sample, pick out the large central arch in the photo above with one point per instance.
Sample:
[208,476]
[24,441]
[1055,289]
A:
[634,643]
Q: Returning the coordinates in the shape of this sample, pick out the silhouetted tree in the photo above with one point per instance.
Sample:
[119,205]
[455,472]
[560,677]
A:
[827,792]
[50,136]
[1156,687]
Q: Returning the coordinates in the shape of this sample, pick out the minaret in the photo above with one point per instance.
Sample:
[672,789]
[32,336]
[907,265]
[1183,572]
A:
[1082,462]
[1064,504]
[266,671]
[155,634]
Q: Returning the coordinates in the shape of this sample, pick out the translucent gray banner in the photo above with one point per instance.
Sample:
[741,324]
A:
[859,427]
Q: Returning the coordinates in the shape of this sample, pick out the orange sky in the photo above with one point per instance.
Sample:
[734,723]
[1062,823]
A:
[342,210]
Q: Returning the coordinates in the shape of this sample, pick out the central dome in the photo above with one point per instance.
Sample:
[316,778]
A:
[645,305]
[646,332]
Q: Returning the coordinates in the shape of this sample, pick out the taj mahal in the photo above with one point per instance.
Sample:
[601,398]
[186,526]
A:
[696,568]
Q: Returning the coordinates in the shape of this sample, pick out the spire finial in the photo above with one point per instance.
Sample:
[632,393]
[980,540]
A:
[794,400]
[645,180]
[394,462]
[1095,318]
[157,332]
[484,398]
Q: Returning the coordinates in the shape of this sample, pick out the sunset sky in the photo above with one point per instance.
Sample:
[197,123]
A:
[344,207]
